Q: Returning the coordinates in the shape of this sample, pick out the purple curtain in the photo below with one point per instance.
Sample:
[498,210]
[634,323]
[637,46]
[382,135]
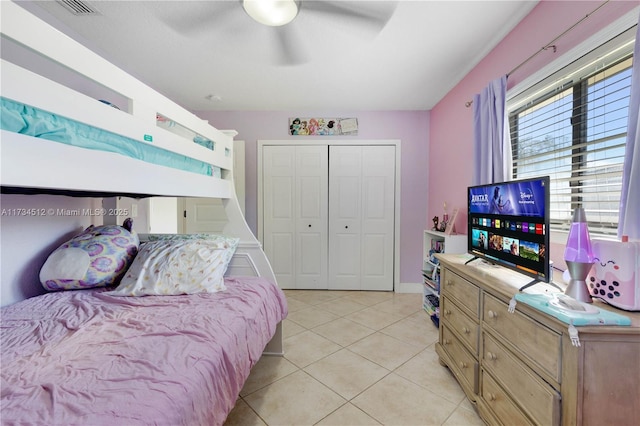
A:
[492,142]
[629,223]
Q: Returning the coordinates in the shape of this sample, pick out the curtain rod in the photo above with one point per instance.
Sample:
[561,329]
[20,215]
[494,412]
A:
[549,45]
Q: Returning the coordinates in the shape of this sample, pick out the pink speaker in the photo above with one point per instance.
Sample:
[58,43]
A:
[615,276]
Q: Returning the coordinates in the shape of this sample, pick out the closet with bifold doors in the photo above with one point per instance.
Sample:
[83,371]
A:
[328,213]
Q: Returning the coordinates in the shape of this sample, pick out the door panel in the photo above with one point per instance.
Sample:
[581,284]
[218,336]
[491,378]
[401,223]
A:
[281,205]
[295,205]
[374,198]
[204,215]
[311,216]
[279,199]
[362,203]
[344,271]
[378,216]
[374,253]
[281,258]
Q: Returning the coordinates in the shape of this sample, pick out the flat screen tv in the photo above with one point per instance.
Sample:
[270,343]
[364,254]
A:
[509,225]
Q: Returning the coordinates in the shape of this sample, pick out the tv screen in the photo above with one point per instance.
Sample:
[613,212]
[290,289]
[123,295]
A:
[509,225]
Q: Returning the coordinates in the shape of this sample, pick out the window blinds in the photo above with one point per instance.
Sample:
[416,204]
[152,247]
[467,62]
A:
[572,126]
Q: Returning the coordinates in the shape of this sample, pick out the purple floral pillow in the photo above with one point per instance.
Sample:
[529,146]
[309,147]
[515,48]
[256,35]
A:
[98,257]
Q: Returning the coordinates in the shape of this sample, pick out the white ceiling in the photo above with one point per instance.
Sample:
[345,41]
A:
[191,50]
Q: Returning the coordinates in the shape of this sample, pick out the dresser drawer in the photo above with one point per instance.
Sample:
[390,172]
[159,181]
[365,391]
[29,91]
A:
[534,341]
[501,405]
[459,322]
[463,291]
[464,364]
[525,387]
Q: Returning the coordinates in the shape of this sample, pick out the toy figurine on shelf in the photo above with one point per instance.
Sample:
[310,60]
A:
[445,220]
[435,223]
[445,216]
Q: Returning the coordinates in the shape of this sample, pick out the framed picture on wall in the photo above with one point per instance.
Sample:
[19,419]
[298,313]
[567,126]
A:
[319,126]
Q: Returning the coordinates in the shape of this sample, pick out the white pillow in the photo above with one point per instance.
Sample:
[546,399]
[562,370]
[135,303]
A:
[221,239]
[172,267]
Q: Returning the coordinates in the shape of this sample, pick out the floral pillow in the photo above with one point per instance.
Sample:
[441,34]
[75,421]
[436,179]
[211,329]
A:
[175,265]
[97,257]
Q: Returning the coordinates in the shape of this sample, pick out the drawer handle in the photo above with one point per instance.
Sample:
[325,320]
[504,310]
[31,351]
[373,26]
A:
[491,396]
[492,314]
[449,282]
[465,330]
[446,341]
[491,356]
[463,364]
[447,312]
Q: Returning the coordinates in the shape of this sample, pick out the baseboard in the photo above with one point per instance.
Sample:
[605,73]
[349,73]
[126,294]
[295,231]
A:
[409,288]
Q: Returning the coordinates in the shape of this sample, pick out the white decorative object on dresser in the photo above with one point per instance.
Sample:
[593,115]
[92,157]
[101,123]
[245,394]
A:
[525,367]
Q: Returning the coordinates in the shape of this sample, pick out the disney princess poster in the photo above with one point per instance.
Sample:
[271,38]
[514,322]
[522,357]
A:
[312,126]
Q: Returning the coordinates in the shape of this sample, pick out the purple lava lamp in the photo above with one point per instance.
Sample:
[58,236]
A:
[579,257]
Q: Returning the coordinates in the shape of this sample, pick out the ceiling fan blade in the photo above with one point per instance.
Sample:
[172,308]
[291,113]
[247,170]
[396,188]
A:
[371,15]
[291,50]
[195,17]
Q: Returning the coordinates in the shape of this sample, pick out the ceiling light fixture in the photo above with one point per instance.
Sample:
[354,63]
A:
[273,13]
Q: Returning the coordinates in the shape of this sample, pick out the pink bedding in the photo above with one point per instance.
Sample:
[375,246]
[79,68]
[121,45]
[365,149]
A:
[86,358]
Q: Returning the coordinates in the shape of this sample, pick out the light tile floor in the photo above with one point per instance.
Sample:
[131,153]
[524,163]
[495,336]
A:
[354,358]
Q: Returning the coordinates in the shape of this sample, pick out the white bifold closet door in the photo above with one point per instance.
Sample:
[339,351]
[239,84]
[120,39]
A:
[328,215]
[361,217]
[295,185]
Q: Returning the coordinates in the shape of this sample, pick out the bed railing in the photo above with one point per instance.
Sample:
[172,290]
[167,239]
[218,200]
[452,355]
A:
[139,122]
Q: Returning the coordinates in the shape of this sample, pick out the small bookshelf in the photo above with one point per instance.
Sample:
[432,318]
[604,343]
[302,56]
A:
[435,242]
[431,304]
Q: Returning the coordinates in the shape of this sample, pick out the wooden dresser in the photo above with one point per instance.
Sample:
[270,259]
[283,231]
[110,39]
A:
[521,368]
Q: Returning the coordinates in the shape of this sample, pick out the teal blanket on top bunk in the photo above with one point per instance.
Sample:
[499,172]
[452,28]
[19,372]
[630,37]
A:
[19,118]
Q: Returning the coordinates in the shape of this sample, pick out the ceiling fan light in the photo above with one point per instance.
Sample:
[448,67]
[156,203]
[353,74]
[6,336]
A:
[274,13]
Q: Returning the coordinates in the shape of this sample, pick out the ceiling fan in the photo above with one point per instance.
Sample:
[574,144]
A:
[292,35]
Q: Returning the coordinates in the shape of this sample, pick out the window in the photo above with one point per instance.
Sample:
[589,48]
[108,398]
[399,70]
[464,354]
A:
[572,126]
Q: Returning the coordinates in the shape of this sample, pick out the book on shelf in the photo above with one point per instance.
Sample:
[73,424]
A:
[428,270]
[430,283]
[436,320]
[432,279]
[437,246]
[431,303]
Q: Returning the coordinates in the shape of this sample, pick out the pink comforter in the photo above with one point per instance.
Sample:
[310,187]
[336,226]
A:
[82,357]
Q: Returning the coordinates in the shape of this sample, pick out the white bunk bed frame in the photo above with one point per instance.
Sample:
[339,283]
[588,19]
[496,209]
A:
[42,166]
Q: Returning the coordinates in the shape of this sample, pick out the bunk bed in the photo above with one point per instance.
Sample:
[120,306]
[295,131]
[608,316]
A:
[92,356]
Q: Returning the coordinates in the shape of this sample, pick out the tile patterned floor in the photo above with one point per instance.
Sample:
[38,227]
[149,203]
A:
[354,358]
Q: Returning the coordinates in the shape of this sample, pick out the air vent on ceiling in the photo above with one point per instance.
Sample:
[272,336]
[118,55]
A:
[78,7]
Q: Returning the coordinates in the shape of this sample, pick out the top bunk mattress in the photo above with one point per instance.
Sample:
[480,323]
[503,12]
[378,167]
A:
[27,120]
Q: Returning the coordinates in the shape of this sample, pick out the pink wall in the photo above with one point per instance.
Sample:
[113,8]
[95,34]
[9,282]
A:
[411,127]
[451,147]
